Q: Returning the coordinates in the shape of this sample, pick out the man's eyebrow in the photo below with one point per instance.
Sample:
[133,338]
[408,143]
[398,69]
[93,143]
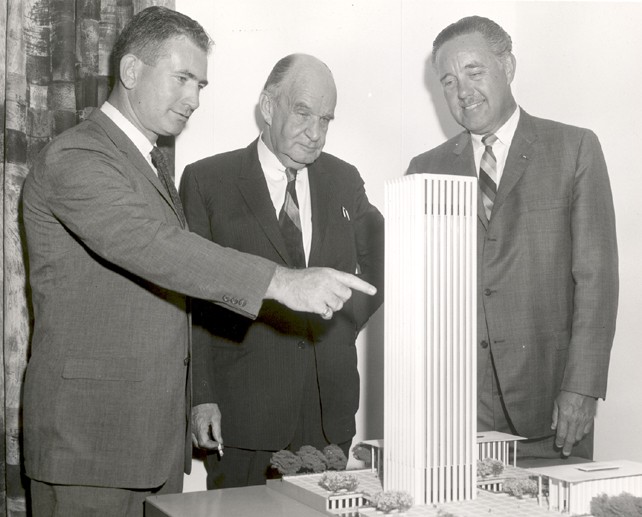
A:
[189,74]
[302,105]
[468,66]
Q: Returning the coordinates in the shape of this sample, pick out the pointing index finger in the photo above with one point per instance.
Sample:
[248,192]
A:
[357,284]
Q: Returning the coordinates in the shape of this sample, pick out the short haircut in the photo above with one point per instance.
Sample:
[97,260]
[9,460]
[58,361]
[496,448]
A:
[278,74]
[145,35]
[497,38]
[282,69]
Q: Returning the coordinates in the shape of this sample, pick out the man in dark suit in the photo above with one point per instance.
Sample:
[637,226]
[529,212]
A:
[107,388]
[287,379]
[547,251]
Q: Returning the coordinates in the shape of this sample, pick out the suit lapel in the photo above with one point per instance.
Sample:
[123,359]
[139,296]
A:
[518,158]
[516,162]
[320,199]
[133,155]
[256,195]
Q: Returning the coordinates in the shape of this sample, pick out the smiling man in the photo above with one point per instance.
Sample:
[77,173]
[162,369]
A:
[288,378]
[107,393]
[546,250]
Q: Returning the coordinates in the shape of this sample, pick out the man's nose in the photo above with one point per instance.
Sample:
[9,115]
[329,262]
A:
[314,129]
[191,100]
[464,89]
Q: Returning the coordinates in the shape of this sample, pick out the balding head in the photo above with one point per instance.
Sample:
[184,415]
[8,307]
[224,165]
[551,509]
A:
[293,66]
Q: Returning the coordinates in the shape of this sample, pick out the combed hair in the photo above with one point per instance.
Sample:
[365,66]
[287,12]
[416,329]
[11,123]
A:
[145,35]
[281,70]
[278,74]
[498,39]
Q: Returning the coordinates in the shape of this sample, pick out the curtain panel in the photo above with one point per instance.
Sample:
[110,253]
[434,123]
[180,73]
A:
[54,69]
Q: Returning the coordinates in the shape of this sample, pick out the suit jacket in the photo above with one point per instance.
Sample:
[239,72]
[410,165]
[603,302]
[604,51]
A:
[107,391]
[255,370]
[547,266]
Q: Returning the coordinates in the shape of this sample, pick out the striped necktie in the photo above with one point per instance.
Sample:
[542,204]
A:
[158,159]
[290,221]
[488,174]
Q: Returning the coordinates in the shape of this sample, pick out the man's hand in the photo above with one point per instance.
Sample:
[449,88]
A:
[206,427]
[319,290]
[573,416]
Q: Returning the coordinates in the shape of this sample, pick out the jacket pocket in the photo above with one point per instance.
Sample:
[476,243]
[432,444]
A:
[547,216]
[533,205]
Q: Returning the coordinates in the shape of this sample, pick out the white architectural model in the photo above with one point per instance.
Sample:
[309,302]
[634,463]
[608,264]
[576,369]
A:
[571,487]
[498,446]
[430,333]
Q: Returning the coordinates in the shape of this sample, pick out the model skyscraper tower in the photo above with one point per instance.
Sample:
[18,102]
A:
[430,335]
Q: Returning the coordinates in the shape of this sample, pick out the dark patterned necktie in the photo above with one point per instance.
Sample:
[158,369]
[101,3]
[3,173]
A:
[488,174]
[290,221]
[158,159]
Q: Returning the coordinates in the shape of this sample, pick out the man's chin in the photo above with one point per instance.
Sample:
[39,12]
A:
[306,159]
[176,128]
[476,123]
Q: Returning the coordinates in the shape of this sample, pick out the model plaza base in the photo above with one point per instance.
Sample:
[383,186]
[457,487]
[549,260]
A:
[305,489]
[563,490]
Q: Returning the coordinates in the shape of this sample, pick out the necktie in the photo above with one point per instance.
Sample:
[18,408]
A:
[158,159]
[290,221]
[488,174]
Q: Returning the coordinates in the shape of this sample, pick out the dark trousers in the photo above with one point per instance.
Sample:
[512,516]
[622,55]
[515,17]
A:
[244,467]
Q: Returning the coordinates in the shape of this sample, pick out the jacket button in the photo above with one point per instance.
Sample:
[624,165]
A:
[484,344]
[186,361]
[487,292]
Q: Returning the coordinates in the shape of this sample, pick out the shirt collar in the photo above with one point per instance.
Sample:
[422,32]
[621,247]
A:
[268,160]
[133,133]
[270,164]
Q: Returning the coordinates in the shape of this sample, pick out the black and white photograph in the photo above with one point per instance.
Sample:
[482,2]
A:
[296,258]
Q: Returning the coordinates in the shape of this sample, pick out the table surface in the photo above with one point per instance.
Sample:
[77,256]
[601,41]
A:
[230,502]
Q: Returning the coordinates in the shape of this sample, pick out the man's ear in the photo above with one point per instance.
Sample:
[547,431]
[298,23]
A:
[510,65]
[266,106]
[129,69]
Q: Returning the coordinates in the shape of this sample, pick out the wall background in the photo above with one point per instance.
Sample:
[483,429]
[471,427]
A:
[576,62]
